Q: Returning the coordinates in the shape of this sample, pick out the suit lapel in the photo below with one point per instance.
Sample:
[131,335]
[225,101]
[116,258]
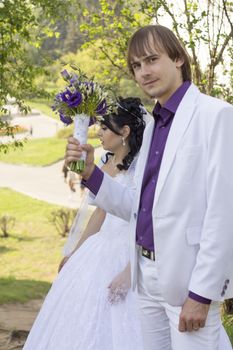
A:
[183,116]
[144,153]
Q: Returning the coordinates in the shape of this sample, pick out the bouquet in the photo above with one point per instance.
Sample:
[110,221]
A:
[83,102]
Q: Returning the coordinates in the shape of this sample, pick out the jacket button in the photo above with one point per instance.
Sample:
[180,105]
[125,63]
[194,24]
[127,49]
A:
[227,281]
[135,216]
[223,293]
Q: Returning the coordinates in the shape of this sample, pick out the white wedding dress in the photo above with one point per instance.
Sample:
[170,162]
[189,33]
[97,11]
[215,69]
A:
[76,314]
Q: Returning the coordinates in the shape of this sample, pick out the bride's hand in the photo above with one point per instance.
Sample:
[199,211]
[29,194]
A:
[119,286]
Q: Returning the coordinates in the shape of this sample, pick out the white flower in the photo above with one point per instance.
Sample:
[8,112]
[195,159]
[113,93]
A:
[1,5]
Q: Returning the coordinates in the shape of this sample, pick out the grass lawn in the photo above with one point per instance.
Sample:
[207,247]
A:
[40,152]
[44,106]
[228,324]
[30,256]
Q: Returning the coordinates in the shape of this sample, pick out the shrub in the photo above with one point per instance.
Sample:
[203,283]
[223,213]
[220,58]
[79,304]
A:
[7,222]
[16,129]
[228,306]
[62,220]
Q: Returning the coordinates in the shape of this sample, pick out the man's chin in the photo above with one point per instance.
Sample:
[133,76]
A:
[151,95]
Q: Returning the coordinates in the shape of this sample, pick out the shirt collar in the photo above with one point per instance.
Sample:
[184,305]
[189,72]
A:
[170,107]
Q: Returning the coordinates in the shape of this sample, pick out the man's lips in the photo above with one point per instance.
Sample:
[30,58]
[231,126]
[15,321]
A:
[149,82]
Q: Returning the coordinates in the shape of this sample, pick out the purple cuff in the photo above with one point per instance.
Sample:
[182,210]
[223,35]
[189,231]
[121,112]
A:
[95,180]
[199,298]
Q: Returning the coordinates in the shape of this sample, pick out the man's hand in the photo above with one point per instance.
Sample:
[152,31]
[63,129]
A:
[193,315]
[73,153]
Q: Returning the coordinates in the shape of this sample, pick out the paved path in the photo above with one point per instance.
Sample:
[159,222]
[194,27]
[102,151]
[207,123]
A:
[44,183]
[38,125]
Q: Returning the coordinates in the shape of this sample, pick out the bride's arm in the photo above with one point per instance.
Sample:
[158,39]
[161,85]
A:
[94,224]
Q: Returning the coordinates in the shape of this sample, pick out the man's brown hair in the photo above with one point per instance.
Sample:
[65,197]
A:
[164,41]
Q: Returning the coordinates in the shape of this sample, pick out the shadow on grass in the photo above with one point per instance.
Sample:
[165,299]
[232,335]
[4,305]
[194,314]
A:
[4,249]
[16,290]
[16,237]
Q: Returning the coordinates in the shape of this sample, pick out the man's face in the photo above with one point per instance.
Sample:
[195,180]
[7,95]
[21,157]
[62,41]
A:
[157,75]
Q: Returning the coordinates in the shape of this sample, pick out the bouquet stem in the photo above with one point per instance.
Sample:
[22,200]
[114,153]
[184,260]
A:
[81,123]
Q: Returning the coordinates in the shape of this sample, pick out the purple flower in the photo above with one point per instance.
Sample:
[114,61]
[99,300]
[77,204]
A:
[65,74]
[74,79]
[65,120]
[72,99]
[101,108]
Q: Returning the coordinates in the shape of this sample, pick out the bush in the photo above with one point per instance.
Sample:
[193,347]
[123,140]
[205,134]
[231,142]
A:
[93,131]
[228,306]
[17,129]
[7,222]
[62,220]
[65,132]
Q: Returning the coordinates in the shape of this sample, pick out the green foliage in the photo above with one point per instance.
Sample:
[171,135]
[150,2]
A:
[42,105]
[9,131]
[7,222]
[41,152]
[65,132]
[206,31]
[31,254]
[102,69]
[228,325]
[21,290]
[23,26]
[110,29]
[62,220]
[37,152]
[205,28]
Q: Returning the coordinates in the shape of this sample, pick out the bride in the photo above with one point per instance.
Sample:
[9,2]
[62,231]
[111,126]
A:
[90,306]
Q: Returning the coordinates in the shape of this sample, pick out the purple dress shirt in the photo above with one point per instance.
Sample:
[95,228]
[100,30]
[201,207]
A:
[163,116]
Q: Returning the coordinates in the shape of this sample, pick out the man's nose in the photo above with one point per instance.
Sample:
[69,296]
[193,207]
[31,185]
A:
[145,70]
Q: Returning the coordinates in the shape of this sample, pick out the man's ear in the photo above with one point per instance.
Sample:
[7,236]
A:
[179,62]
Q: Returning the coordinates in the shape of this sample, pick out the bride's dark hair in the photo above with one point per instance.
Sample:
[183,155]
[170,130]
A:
[129,112]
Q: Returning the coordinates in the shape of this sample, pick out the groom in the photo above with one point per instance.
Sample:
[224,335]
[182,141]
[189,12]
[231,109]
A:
[181,213]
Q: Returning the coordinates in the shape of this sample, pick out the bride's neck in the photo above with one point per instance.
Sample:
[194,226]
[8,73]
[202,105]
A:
[120,154]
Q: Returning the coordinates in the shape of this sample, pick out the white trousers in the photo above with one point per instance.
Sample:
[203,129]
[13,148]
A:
[160,320]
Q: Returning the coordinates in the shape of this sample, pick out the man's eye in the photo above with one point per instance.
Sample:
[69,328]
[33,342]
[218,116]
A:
[152,59]
[135,66]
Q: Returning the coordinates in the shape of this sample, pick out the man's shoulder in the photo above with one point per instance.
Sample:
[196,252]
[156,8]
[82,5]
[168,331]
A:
[214,100]
[204,98]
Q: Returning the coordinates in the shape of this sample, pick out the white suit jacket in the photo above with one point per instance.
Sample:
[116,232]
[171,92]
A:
[193,203]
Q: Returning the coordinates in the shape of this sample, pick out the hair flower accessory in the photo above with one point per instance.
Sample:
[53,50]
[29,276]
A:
[83,101]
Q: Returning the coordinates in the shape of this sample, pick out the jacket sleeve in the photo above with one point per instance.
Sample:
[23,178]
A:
[212,274]
[115,198]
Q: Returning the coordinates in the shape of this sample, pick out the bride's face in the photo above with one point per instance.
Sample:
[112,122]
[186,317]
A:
[109,140]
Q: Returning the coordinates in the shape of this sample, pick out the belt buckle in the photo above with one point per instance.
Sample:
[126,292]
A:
[147,253]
